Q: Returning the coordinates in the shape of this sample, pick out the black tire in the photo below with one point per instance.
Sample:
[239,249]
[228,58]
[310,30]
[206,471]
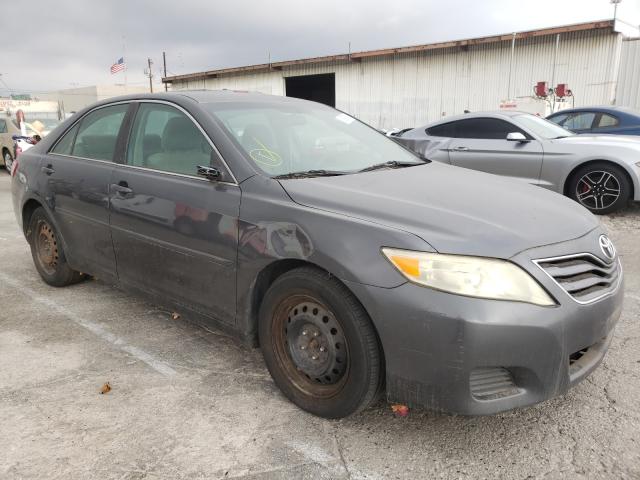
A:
[46,250]
[601,187]
[352,356]
[7,158]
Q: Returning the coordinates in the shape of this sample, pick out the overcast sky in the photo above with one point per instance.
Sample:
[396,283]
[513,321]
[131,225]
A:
[67,43]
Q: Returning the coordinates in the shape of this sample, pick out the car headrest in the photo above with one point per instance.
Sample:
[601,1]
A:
[180,134]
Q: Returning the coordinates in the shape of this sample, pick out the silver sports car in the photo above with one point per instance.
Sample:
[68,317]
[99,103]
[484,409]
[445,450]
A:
[600,172]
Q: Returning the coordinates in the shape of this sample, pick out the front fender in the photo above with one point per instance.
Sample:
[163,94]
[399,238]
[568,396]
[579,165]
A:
[346,247]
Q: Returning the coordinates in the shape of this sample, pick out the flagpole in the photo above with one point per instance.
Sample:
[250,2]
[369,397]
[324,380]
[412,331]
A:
[124,53]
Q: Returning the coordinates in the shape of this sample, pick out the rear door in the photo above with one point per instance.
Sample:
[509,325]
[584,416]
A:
[175,232]
[77,171]
[481,144]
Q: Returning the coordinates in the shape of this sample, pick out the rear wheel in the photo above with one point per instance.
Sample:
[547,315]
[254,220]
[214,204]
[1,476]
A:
[46,250]
[8,161]
[319,344]
[600,187]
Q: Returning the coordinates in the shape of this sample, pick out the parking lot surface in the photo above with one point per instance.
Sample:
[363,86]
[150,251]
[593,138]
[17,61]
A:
[186,402]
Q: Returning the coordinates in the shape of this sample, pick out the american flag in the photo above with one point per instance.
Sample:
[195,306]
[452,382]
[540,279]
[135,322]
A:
[118,66]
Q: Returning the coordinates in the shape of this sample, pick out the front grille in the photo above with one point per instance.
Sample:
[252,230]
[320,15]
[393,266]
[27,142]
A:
[491,383]
[584,277]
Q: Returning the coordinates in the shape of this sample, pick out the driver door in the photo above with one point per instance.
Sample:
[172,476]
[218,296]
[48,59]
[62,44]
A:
[481,144]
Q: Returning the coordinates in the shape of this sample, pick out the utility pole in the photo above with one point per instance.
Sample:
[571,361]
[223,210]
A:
[164,62]
[149,62]
[615,8]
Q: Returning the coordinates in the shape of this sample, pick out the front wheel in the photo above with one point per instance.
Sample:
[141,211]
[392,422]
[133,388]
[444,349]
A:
[320,345]
[600,187]
[8,161]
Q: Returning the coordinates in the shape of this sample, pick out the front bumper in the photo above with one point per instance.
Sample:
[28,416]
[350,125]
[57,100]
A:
[446,352]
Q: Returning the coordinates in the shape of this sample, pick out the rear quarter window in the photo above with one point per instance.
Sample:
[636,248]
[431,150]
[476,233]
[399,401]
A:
[442,130]
[607,121]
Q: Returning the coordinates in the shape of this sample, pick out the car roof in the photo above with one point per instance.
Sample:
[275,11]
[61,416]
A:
[489,113]
[206,96]
[599,108]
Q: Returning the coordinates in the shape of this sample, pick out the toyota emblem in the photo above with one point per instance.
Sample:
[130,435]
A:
[606,245]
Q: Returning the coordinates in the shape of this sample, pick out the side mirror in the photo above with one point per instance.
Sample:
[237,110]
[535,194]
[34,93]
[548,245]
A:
[516,137]
[210,173]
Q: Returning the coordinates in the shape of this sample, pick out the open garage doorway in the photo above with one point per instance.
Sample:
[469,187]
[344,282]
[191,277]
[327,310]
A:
[318,88]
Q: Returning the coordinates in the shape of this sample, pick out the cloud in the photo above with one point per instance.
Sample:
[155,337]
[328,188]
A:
[68,43]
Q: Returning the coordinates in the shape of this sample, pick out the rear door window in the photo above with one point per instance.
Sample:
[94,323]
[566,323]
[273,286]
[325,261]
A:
[65,144]
[98,133]
[164,138]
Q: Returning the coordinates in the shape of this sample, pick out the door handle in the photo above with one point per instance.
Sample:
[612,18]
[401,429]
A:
[461,149]
[48,170]
[121,188]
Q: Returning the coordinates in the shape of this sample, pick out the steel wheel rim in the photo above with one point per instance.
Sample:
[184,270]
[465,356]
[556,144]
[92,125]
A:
[46,246]
[598,190]
[321,377]
[7,161]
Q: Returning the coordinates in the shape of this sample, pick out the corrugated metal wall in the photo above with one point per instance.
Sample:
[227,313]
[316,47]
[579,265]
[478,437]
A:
[410,89]
[628,93]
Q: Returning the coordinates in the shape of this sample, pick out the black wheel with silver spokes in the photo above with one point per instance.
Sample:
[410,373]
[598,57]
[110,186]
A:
[319,344]
[598,190]
[600,187]
[8,161]
[47,252]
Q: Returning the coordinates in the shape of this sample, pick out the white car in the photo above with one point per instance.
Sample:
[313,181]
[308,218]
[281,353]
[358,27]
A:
[601,172]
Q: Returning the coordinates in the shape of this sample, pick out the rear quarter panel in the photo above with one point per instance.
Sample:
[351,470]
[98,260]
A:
[27,185]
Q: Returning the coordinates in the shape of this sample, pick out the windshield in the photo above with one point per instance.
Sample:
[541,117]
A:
[281,138]
[541,127]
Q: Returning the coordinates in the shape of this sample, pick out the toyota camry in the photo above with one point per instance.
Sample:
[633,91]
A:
[359,268]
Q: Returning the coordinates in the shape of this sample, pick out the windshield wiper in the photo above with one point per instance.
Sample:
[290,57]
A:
[391,164]
[309,174]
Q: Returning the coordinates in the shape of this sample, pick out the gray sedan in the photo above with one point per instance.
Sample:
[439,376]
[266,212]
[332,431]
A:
[358,267]
[600,172]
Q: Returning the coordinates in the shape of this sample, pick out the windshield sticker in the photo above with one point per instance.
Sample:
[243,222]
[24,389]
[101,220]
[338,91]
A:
[344,118]
[264,156]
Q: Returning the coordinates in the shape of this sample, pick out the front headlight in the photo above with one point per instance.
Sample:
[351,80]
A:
[470,276]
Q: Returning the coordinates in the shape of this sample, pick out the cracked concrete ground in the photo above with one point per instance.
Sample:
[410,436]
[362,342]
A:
[191,403]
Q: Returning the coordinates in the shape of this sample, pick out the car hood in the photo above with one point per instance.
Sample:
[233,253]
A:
[455,210]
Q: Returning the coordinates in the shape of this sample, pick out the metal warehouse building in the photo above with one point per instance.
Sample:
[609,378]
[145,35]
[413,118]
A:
[408,86]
